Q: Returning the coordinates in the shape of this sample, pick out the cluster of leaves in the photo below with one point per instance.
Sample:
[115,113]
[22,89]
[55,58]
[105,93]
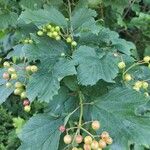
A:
[79,70]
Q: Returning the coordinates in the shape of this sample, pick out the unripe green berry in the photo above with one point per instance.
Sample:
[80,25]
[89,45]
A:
[40,33]
[14,76]
[74,43]
[49,26]
[127,77]
[8,84]
[17,91]
[69,40]
[146,94]
[58,38]
[27,108]
[145,85]
[11,70]
[57,28]
[6,64]
[30,41]
[34,68]
[26,41]
[18,85]
[52,29]
[55,34]
[28,68]
[50,34]
[67,139]
[23,95]
[121,65]
[63,54]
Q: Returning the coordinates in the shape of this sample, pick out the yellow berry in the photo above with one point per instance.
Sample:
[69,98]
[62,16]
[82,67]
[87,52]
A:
[34,68]
[67,139]
[74,148]
[136,88]
[104,135]
[127,77]
[40,33]
[30,41]
[145,85]
[87,140]
[50,34]
[49,26]
[146,59]
[27,108]
[95,125]
[6,64]
[95,145]
[52,29]
[109,140]
[102,144]
[26,41]
[121,65]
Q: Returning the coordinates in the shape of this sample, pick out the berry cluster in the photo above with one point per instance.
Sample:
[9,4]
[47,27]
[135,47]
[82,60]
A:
[51,31]
[87,142]
[138,85]
[28,41]
[13,82]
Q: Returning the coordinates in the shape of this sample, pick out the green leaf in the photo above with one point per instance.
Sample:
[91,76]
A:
[34,4]
[83,20]
[107,38]
[117,112]
[41,132]
[45,84]
[41,17]
[8,19]
[92,66]
[4,93]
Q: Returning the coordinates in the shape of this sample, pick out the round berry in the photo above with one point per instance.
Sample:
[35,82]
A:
[99,148]
[145,85]
[67,139]
[62,128]
[23,95]
[26,41]
[109,140]
[80,148]
[121,65]
[146,94]
[11,70]
[30,41]
[6,64]
[136,88]
[138,84]
[55,34]
[18,85]
[26,102]
[102,144]
[95,125]
[6,76]
[74,43]
[50,34]
[34,68]
[146,59]
[74,148]
[27,108]
[87,147]
[149,66]
[49,26]
[52,29]
[104,135]
[63,54]
[14,76]
[58,38]
[57,28]
[69,40]
[79,139]
[40,33]
[95,145]
[127,77]
[28,68]
[8,84]
[87,140]
[17,91]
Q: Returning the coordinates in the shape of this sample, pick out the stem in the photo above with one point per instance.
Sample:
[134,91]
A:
[81,108]
[87,132]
